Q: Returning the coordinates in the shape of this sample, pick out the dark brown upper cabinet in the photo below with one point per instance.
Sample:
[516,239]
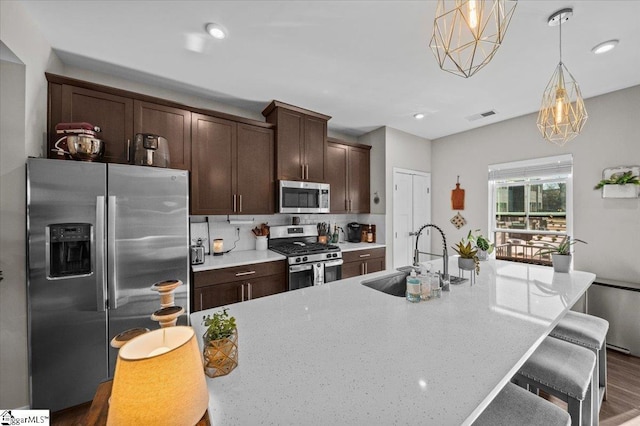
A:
[173,124]
[112,113]
[231,167]
[347,170]
[301,142]
[121,114]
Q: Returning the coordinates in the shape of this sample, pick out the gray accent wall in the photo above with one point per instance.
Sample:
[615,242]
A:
[610,138]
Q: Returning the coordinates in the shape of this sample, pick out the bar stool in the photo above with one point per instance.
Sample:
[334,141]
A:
[566,371]
[591,332]
[515,406]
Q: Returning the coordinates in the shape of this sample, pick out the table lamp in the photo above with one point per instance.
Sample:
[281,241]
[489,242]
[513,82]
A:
[159,380]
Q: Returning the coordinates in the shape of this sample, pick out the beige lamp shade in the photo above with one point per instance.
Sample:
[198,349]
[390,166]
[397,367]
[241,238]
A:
[159,380]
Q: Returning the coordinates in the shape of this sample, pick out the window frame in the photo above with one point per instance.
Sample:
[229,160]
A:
[528,179]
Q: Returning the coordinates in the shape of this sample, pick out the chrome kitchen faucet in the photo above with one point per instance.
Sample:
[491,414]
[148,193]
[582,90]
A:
[445,255]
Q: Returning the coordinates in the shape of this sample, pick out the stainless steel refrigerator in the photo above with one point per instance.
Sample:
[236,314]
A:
[99,235]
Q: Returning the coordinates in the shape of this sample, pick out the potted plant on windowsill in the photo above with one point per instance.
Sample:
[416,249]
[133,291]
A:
[482,244]
[220,344]
[560,254]
[468,259]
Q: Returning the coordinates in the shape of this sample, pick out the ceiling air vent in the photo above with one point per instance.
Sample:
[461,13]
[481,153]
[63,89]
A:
[481,115]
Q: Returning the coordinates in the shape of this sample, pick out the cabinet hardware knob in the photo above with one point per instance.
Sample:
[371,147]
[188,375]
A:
[242,274]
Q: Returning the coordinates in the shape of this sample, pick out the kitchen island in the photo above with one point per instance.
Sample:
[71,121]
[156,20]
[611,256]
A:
[346,354]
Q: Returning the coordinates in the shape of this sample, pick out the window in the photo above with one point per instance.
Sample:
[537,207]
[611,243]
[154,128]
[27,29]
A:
[530,207]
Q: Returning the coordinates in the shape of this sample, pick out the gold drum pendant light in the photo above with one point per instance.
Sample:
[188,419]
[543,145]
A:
[562,113]
[466,34]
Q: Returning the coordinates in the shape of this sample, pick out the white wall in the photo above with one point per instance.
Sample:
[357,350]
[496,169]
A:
[610,138]
[406,151]
[22,133]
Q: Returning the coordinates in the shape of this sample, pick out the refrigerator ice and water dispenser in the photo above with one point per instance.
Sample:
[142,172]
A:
[68,250]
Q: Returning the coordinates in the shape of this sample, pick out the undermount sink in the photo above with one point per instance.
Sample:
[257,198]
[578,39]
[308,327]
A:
[394,284]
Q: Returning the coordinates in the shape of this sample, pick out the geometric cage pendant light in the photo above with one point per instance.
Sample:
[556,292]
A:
[468,33]
[562,114]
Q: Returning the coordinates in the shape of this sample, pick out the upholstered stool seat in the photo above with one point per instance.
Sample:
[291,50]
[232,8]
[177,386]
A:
[516,406]
[591,332]
[566,371]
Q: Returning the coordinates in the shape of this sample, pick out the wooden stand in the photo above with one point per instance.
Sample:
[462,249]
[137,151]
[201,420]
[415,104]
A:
[97,415]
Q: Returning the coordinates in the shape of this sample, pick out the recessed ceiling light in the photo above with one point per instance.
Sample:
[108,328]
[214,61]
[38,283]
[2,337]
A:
[216,31]
[418,116]
[605,47]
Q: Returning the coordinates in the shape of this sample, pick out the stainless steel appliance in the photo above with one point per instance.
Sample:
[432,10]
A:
[99,235]
[197,253]
[310,263]
[617,302]
[303,197]
[150,150]
[354,230]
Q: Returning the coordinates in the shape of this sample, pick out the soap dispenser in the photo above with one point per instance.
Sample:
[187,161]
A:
[413,287]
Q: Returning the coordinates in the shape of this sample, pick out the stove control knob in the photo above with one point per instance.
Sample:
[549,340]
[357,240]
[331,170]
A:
[329,256]
[335,254]
[304,259]
[297,259]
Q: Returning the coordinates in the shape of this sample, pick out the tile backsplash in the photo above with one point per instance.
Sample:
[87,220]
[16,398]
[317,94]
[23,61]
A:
[225,227]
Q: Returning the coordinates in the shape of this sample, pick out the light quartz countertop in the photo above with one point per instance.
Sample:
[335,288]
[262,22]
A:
[358,246]
[248,257]
[237,258]
[346,354]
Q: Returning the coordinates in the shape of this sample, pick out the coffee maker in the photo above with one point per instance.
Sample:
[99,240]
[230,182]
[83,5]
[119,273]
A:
[150,150]
[353,232]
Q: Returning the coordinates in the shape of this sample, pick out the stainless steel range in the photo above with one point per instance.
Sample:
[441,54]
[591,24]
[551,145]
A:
[310,263]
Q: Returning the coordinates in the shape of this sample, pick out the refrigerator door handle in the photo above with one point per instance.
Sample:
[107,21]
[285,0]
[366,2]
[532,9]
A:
[98,242]
[111,257]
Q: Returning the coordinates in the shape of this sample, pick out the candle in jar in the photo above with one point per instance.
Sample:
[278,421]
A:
[218,246]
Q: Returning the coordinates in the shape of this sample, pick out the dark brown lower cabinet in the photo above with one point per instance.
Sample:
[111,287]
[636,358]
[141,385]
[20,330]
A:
[225,286]
[362,262]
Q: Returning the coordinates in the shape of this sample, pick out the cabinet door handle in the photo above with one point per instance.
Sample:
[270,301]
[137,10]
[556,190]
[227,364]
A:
[128,150]
[249,291]
[366,268]
[362,269]
[240,198]
[201,304]
[242,292]
[307,167]
[365,255]
[302,170]
[242,274]
[349,205]
[234,202]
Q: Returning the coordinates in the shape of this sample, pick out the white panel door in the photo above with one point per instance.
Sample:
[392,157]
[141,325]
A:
[422,209]
[402,218]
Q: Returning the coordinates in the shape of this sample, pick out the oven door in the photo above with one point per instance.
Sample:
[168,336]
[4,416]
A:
[300,276]
[333,270]
[310,274]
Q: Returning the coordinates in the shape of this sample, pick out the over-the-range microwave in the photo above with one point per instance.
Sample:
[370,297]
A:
[303,197]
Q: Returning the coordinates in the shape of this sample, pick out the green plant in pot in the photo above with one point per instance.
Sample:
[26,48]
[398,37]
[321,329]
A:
[619,179]
[560,253]
[468,259]
[482,244]
[220,343]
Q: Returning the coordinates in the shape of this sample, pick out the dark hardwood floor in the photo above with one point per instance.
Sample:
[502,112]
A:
[622,406]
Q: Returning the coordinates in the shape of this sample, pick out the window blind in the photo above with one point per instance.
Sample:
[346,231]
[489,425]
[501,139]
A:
[559,166]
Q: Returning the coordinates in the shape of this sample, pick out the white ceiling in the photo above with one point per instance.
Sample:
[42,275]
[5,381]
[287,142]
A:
[365,63]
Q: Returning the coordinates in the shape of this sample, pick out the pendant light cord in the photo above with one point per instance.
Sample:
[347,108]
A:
[560,31]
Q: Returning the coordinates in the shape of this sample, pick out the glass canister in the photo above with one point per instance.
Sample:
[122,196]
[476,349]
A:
[434,284]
